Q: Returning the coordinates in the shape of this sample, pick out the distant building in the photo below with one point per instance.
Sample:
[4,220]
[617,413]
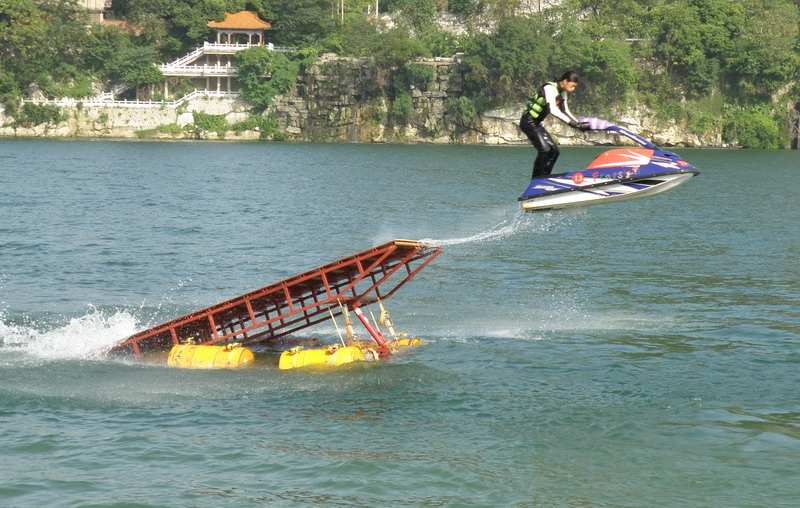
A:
[212,66]
[96,8]
[241,27]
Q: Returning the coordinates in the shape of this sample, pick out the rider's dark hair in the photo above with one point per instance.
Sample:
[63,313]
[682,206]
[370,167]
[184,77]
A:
[571,76]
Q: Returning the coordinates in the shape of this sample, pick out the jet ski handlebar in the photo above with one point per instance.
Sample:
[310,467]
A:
[597,124]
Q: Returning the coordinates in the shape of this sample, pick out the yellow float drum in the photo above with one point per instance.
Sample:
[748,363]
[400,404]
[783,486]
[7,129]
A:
[406,342]
[193,356]
[330,356]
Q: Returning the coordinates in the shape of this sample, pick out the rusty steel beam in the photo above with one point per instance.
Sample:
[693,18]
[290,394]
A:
[294,303]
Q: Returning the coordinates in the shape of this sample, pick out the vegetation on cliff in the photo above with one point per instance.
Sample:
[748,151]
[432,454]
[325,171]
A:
[728,67]
[718,65]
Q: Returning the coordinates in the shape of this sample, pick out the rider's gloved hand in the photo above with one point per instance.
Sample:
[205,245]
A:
[583,126]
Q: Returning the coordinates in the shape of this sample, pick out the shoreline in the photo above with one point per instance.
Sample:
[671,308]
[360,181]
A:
[254,138]
[297,123]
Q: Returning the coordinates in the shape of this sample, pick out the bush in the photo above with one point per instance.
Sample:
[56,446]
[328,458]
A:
[413,75]
[705,115]
[402,106]
[170,128]
[462,112]
[754,128]
[146,133]
[38,114]
[443,43]
[203,122]
[267,125]
[701,123]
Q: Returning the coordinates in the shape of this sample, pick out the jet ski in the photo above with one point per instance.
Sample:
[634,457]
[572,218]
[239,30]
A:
[615,175]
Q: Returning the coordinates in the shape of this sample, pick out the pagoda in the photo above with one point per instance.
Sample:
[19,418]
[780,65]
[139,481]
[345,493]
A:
[212,66]
[237,26]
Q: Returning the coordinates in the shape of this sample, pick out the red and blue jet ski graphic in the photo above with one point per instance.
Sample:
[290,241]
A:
[615,175]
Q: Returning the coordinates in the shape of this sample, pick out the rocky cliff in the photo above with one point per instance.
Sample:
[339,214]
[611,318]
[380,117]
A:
[339,99]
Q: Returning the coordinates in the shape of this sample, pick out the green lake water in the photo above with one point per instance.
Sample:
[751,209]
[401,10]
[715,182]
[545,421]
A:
[637,354]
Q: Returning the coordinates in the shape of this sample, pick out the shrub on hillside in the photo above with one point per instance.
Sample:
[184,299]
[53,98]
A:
[754,128]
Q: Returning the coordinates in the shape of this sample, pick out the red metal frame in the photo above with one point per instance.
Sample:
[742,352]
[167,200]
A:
[383,350]
[295,303]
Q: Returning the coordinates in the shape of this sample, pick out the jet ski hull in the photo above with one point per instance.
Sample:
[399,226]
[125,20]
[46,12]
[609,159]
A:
[602,192]
[615,175]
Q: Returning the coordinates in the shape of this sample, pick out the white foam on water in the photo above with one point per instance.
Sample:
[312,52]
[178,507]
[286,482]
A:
[518,327]
[86,337]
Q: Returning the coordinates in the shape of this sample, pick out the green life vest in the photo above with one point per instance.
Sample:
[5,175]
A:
[537,105]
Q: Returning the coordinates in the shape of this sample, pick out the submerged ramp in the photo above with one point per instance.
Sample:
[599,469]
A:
[292,304]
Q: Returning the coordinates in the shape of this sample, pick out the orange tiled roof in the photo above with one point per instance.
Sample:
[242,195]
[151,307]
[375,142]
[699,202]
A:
[247,20]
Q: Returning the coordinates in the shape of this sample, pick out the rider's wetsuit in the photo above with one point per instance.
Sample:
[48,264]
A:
[537,109]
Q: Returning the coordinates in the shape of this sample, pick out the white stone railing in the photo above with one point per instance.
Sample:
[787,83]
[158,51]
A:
[174,68]
[198,70]
[193,55]
[120,88]
[98,102]
[219,47]
[214,48]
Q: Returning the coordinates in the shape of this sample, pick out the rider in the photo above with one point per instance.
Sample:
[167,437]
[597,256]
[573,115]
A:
[550,98]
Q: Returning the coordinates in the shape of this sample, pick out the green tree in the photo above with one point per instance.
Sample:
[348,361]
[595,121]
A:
[262,7]
[511,62]
[358,37]
[608,71]
[693,38]
[396,47]
[419,13]
[303,22]
[764,57]
[9,91]
[174,26]
[466,7]
[265,74]
[151,16]
[42,42]
[621,19]
[115,56]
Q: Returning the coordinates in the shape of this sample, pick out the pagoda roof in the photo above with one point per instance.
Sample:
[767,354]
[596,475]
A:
[242,20]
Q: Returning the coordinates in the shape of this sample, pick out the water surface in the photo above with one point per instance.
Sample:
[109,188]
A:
[643,353]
